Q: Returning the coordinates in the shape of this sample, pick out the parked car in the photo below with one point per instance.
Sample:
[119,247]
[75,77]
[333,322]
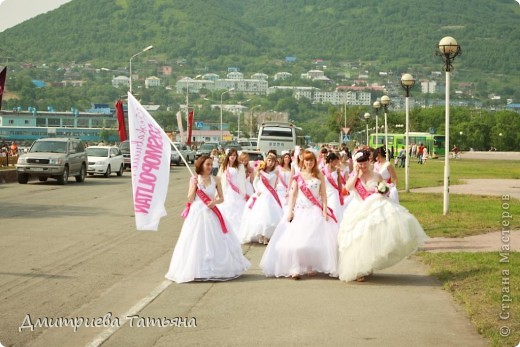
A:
[55,158]
[103,160]
[206,148]
[254,155]
[231,144]
[249,145]
[124,147]
[187,152]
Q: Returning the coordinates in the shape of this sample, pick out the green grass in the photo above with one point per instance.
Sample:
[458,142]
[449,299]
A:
[476,282]
[468,215]
[432,173]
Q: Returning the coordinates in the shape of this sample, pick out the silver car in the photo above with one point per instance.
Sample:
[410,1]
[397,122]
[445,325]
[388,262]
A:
[56,158]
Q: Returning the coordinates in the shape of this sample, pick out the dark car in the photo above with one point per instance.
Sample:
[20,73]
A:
[206,148]
[124,147]
[231,144]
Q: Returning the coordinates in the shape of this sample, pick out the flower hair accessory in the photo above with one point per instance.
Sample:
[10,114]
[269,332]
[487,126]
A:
[362,156]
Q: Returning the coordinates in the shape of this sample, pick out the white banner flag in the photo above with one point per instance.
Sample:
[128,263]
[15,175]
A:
[150,152]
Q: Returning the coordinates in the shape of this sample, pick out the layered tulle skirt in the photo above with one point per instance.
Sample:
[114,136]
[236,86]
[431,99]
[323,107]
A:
[375,234]
[261,216]
[232,208]
[203,251]
[307,244]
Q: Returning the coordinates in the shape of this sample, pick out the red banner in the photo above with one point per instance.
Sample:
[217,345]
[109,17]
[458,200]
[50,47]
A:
[190,127]
[2,84]
[121,120]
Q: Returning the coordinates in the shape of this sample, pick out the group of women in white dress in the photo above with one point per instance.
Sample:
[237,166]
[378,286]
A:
[324,214]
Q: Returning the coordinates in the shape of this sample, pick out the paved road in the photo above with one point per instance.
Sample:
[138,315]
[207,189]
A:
[73,251]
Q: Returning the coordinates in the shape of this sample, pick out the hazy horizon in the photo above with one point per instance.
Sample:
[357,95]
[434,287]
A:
[14,12]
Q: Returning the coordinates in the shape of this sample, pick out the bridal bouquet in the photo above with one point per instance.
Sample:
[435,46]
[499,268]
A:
[260,165]
[382,188]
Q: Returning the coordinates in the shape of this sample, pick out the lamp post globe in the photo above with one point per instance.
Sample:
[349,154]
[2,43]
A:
[448,45]
[448,49]
[407,82]
[367,117]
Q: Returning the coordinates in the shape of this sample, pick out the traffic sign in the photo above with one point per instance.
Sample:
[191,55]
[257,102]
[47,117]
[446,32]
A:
[199,124]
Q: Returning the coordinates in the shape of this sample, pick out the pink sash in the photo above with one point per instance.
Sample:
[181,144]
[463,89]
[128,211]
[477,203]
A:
[206,199]
[362,190]
[308,194]
[231,184]
[280,176]
[273,192]
[328,174]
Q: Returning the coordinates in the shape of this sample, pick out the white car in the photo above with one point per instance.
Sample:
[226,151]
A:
[103,160]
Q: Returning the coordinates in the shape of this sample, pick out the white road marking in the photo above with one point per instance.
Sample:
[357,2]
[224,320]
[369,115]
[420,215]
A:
[105,335]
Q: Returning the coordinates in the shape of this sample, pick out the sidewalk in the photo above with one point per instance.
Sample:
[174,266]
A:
[494,187]
[401,306]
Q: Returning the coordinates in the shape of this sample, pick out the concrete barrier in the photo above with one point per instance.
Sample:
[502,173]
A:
[8,175]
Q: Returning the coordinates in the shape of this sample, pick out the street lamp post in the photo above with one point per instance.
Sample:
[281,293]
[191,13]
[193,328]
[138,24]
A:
[407,82]
[221,128]
[448,49]
[367,117]
[132,57]
[385,101]
[345,113]
[377,107]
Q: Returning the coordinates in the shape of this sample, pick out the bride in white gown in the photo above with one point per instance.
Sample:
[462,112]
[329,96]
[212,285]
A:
[305,241]
[206,250]
[376,232]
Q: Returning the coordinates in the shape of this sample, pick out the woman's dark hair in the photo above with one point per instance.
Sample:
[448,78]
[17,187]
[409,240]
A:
[290,159]
[331,157]
[273,151]
[199,164]
[324,150]
[380,151]
[225,163]
[362,155]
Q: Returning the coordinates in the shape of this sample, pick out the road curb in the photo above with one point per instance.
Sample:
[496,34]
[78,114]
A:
[8,176]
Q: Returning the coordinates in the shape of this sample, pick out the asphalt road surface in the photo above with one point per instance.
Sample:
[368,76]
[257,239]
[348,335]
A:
[72,252]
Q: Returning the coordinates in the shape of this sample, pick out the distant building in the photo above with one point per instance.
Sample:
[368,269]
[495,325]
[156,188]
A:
[119,81]
[210,76]
[235,75]
[313,74]
[260,76]
[38,83]
[282,75]
[193,85]
[248,86]
[428,87]
[166,70]
[152,81]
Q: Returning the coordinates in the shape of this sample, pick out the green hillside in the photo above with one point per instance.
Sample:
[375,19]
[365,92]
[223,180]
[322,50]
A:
[397,34]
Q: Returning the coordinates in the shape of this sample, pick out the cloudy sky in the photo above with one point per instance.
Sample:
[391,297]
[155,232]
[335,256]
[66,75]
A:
[13,12]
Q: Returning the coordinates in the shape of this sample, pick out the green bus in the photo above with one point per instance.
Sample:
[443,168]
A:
[434,142]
